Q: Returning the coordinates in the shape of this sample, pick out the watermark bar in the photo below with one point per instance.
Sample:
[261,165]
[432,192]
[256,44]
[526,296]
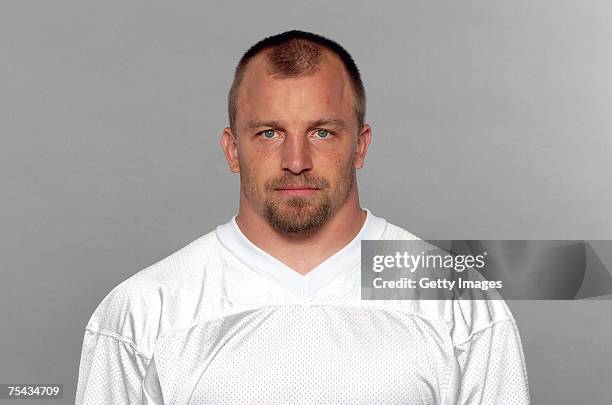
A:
[486,269]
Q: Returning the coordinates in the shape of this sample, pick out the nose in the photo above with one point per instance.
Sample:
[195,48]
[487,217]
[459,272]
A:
[296,154]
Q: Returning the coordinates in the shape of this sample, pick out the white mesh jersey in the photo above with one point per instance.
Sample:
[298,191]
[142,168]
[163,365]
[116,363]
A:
[222,322]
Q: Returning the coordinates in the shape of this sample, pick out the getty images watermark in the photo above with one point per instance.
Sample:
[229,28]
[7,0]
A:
[432,260]
[476,269]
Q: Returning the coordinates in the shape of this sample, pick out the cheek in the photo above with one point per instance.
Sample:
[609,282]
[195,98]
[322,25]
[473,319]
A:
[254,159]
[342,158]
[257,171]
[337,154]
[336,167]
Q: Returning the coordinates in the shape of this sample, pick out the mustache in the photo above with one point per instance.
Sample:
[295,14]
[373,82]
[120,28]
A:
[305,180]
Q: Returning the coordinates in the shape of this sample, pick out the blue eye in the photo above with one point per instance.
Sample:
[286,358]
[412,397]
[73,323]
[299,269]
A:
[322,133]
[268,133]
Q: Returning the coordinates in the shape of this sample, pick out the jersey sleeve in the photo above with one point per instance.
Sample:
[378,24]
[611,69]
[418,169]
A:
[492,367]
[111,370]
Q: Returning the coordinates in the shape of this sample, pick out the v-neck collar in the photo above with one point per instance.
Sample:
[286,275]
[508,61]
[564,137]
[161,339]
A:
[232,238]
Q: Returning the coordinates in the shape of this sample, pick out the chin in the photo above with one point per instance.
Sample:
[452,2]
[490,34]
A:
[297,215]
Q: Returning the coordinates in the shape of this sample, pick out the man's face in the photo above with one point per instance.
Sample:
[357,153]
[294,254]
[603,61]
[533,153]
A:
[298,144]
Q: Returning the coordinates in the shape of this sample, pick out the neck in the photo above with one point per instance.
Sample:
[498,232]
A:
[303,252]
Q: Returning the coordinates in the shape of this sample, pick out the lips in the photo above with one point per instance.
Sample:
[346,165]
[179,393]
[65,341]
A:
[297,187]
[297,190]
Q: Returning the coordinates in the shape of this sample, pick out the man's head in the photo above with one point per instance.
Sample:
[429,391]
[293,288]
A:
[296,133]
[297,53]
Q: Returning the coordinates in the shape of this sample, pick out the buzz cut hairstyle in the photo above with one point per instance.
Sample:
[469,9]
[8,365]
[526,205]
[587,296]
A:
[292,54]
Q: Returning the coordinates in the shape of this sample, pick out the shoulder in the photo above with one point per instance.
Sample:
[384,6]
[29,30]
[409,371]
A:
[479,310]
[394,232]
[144,305]
[465,316]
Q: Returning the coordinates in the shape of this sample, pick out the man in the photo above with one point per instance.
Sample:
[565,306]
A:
[266,308]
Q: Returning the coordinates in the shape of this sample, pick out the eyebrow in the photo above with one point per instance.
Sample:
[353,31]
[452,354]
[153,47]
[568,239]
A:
[336,122]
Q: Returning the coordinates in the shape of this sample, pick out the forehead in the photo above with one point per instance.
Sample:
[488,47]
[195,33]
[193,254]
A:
[264,95]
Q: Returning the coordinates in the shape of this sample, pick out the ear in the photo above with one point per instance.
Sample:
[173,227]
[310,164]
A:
[230,149]
[363,141]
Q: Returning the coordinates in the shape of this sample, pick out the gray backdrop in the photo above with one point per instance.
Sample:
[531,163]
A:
[491,120]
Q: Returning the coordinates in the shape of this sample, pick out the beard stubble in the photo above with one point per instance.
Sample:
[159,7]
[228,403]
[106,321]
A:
[301,215]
